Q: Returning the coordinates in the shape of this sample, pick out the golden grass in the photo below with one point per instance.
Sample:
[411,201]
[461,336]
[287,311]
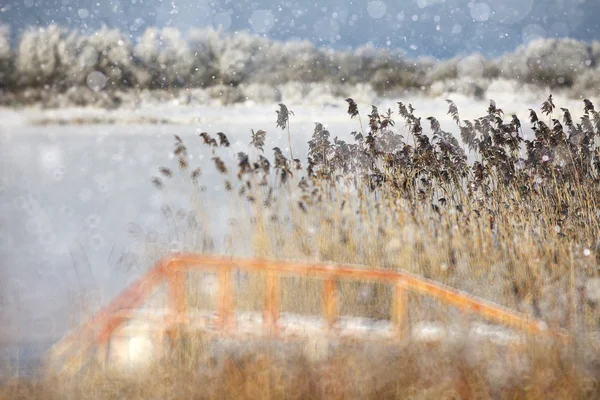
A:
[359,371]
[527,245]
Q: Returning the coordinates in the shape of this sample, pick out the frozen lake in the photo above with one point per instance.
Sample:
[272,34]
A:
[71,194]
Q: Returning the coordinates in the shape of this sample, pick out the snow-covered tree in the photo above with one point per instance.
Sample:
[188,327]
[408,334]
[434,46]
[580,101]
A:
[6,57]
[595,52]
[165,58]
[38,61]
[305,61]
[114,56]
[76,58]
[236,57]
[442,71]
[204,45]
[587,83]
[552,62]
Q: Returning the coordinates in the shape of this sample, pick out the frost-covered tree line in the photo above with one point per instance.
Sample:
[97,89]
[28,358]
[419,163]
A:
[53,58]
[165,58]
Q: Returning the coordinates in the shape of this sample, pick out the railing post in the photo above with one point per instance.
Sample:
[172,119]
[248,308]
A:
[225,301]
[176,288]
[329,302]
[105,335]
[271,311]
[103,353]
[400,307]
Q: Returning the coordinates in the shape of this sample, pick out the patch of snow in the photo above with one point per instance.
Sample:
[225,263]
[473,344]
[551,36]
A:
[592,289]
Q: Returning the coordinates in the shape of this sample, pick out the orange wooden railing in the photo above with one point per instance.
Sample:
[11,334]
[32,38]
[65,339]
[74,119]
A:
[98,329]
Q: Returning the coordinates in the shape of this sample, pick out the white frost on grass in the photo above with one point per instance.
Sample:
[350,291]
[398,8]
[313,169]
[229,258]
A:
[592,290]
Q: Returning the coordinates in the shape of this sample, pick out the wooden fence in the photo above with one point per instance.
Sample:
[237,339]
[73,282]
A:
[172,270]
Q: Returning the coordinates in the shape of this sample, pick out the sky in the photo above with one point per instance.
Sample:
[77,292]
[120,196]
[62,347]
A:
[437,28]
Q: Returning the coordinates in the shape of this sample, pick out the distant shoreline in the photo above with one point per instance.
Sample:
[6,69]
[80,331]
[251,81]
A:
[54,61]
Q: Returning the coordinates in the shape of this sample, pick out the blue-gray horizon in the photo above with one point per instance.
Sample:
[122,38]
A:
[436,28]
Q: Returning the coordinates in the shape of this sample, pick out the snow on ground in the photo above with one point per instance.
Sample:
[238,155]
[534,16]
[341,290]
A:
[140,340]
[321,107]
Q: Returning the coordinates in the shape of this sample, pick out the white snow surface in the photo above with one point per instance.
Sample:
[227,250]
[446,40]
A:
[320,106]
[137,343]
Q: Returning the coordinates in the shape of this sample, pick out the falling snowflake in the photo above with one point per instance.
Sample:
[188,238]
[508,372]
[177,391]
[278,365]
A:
[376,9]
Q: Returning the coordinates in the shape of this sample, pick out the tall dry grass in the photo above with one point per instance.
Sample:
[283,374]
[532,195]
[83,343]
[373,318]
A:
[350,372]
[518,225]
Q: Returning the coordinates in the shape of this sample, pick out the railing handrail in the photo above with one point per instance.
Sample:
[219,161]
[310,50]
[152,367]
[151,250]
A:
[322,270]
[98,329]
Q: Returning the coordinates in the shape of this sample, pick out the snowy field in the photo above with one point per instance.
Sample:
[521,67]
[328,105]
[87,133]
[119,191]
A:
[74,183]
